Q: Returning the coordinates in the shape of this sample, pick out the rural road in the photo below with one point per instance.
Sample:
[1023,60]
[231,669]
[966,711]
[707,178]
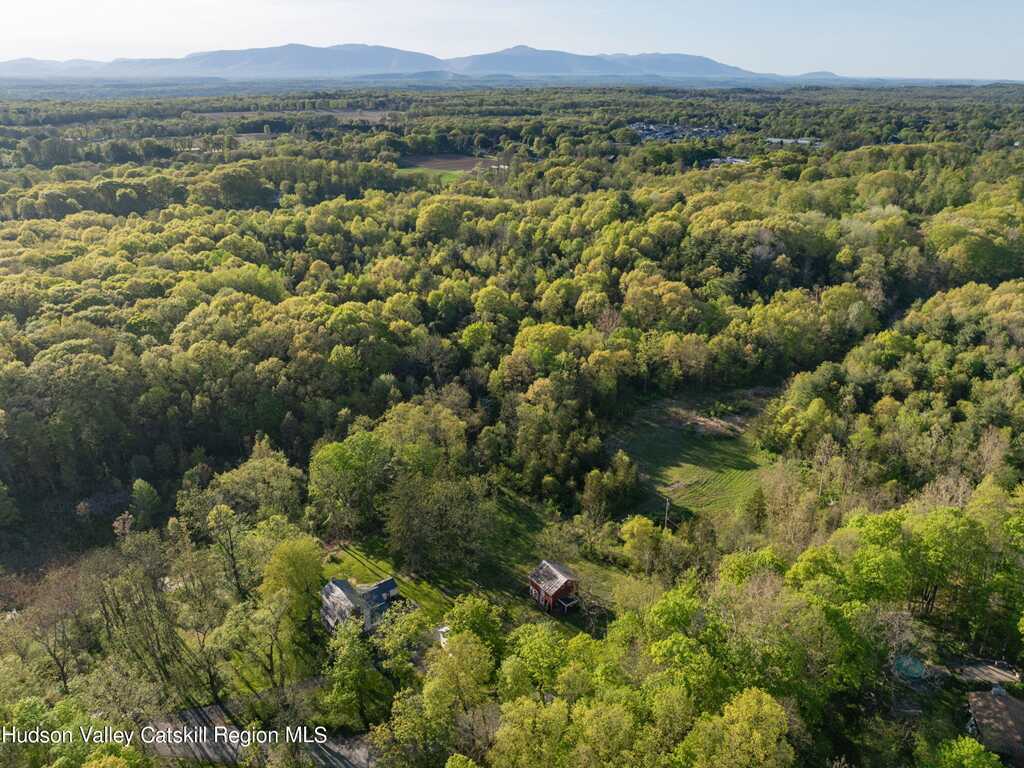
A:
[350,752]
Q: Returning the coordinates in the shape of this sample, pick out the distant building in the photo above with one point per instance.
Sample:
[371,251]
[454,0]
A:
[554,586]
[665,132]
[999,720]
[341,600]
[804,141]
[718,161]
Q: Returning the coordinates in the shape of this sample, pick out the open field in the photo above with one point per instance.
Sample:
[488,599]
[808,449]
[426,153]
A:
[442,177]
[442,162]
[442,168]
[700,464]
[517,546]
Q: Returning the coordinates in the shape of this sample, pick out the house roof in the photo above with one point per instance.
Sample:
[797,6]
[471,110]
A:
[379,593]
[340,598]
[1000,720]
[551,576]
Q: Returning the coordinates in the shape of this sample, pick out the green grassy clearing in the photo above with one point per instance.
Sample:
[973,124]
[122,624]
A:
[502,578]
[516,548]
[701,465]
[365,564]
[438,175]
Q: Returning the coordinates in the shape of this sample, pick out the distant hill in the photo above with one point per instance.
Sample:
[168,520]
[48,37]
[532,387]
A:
[677,65]
[523,60]
[364,64]
[285,61]
[821,75]
[47,68]
[296,62]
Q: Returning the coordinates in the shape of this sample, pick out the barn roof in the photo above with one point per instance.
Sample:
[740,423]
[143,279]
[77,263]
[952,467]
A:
[551,576]
[1000,720]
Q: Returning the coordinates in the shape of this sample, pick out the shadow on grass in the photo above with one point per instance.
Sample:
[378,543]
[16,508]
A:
[510,553]
[668,448]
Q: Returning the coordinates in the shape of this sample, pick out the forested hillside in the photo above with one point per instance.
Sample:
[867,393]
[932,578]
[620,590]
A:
[248,343]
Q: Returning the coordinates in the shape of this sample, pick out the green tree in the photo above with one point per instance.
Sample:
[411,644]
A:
[294,572]
[256,640]
[964,752]
[345,479]
[458,675]
[536,651]
[750,733]
[440,521]
[145,504]
[532,733]
[603,734]
[412,738]
[472,613]
[201,599]
[399,638]
[642,542]
[353,682]
[229,536]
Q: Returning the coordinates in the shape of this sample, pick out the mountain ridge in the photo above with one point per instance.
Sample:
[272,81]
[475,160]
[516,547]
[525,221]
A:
[356,60]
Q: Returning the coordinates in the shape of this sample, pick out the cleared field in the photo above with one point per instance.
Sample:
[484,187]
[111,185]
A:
[442,177]
[444,168]
[514,551]
[702,465]
[517,545]
[443,162]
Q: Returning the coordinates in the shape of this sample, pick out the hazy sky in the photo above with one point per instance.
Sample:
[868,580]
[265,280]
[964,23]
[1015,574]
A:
[910,38]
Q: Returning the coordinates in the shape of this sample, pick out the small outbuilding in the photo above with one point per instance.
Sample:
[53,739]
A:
[340,600]
[554,587]
[443,633]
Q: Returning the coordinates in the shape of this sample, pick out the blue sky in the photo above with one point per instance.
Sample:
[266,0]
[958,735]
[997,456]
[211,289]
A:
[907,38]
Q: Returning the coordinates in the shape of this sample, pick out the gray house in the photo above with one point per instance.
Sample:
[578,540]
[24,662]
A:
[340,600]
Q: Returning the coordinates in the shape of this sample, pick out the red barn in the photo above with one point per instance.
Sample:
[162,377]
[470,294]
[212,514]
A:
[553,586]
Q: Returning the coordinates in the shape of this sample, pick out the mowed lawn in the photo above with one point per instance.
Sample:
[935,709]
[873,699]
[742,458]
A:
[701,465]
[444,169]
[356,562]
[440,176]
[513,553]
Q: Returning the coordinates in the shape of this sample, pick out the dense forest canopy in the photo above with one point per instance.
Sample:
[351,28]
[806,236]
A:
[248,342]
